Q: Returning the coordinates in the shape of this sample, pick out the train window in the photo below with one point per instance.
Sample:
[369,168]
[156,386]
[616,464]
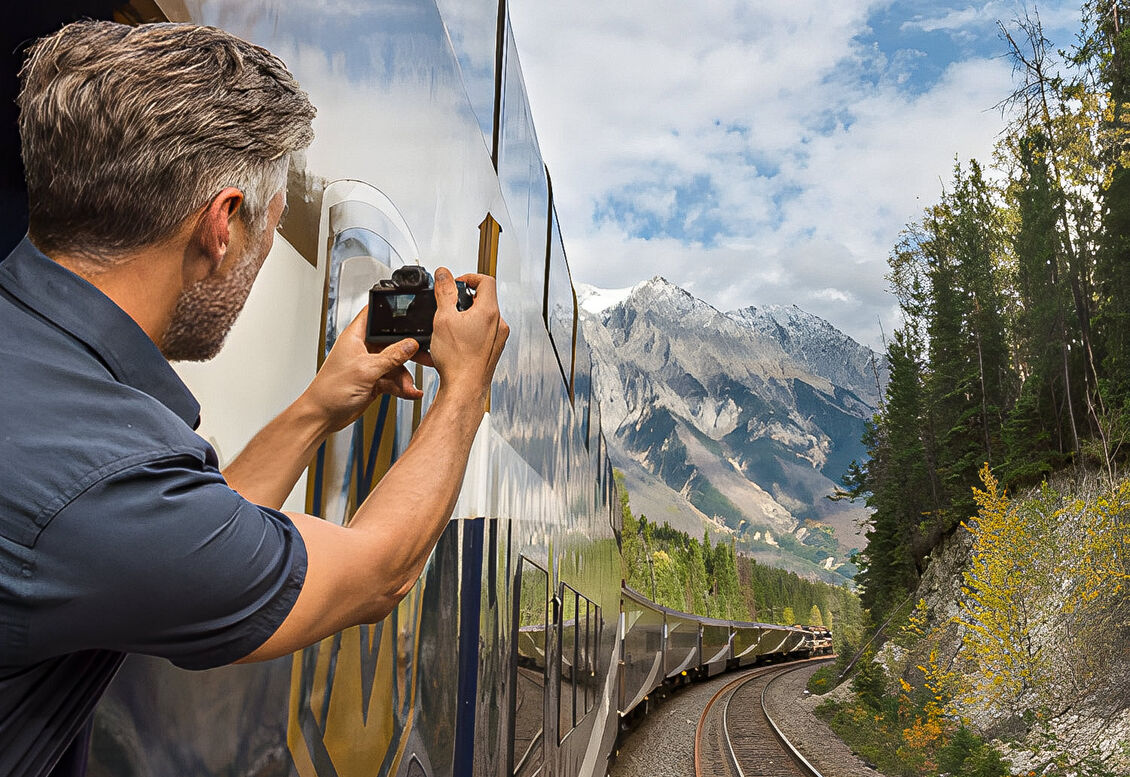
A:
[590,657]
[560,305]
[599,669]
[582,671]
[358,256]
[531,620]
[567,690]
[521,171]
[582,387]
[369,239]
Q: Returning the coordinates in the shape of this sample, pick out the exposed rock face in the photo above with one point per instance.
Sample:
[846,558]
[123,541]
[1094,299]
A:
[821,348]
[751,418]
[1089,708]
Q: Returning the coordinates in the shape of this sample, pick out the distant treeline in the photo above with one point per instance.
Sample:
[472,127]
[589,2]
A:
[710,579]
[1015,290]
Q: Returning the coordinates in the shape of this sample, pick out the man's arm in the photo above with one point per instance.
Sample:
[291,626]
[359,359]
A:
[357,574]
[350,379]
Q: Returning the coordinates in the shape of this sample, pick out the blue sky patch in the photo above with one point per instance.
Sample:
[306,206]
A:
[687,211]
[919,39]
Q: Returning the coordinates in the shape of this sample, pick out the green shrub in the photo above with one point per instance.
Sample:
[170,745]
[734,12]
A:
[823,680]
[870,685]
[966,755]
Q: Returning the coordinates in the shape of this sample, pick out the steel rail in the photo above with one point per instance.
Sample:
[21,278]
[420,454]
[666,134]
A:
[789,747]
[737,681]
[731,688]
[726,730]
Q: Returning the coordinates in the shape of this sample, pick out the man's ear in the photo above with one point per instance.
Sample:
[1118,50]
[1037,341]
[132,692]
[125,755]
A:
[213,234]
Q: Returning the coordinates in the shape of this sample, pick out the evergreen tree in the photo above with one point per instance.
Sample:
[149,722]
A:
[1040,433]
[697,594]
[1066,111]
[896,484]
[970,381]
[1107,49]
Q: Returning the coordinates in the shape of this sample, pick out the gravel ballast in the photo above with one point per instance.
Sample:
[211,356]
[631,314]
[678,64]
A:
[792,711]
[663,743]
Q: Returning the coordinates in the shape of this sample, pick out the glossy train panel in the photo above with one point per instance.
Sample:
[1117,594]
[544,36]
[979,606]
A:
[517,652]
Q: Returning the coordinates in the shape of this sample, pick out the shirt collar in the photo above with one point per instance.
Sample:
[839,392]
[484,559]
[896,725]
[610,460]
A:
[77,306]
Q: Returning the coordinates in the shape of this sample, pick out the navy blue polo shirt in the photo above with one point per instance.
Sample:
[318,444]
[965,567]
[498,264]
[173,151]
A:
[118,533]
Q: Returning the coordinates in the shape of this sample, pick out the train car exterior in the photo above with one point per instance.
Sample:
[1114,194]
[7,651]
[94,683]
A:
[682,648]
[516,653]
[716,646]
[662,648]
[641,649]
[500,661]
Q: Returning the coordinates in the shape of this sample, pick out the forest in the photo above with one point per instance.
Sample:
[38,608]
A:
[712,579]
[1014,347]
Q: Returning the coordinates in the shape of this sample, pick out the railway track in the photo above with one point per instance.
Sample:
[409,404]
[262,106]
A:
[736,737]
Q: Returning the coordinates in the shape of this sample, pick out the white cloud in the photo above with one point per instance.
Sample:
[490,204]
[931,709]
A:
[959,18]
[985,16]
[812,153]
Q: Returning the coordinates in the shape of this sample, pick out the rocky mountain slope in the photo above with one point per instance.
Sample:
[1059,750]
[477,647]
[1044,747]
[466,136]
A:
[1072,704]
[743,422]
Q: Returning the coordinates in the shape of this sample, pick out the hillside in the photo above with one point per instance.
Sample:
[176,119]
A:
[1026,638]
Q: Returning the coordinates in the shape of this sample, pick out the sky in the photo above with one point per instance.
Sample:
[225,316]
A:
[762,152]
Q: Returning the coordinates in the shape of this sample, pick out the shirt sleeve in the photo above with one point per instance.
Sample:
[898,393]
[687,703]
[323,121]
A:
[165,559]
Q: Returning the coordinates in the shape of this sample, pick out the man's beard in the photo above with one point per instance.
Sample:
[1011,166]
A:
[207,309]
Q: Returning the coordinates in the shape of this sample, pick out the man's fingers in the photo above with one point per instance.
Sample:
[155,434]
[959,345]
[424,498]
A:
[407,387]
[399,384]
[396,354]
[484,286]
[446,294]
[390,358]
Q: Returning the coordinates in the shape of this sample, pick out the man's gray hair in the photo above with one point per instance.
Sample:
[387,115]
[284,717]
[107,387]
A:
[127,131]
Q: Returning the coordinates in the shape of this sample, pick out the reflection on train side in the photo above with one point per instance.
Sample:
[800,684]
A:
[352,694]
[368,240]
[560,309]
[579,635]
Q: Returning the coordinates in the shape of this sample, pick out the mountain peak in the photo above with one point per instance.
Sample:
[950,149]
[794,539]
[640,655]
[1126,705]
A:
[819,346]
[658,292]
[717,411]
[596,300]
[660,285]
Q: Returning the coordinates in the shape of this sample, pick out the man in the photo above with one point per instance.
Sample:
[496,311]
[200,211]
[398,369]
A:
[156,161]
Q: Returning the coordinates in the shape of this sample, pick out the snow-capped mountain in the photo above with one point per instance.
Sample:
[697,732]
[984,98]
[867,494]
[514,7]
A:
[820,347]
[743,421]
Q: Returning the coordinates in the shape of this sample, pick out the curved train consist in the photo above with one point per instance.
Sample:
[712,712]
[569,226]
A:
[517,652]
[661,648]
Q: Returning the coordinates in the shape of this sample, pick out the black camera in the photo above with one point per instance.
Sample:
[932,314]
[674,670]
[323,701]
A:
[405,306]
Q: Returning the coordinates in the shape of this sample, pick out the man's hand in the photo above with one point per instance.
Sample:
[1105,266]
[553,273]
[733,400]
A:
[352,376]
[466,345]
[358,573]
[348,382]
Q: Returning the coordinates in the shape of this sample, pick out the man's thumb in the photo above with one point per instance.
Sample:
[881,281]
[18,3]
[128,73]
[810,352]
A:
[402,351]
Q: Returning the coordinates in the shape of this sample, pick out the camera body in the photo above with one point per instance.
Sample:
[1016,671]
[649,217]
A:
[405,306]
